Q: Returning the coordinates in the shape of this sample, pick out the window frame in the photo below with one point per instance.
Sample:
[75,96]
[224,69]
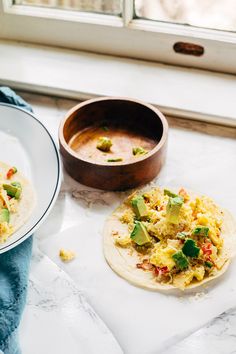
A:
[113,35]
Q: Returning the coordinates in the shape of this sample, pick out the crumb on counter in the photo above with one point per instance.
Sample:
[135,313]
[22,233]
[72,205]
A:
[66,255]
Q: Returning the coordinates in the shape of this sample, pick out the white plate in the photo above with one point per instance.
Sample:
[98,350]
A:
[26,144]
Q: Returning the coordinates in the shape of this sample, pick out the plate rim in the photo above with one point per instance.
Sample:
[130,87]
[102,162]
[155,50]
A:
[56,188]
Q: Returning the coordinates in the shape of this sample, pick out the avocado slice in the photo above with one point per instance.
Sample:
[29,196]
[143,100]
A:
[181,260]
[139,207]
[140,235]
[4,215]
[190,248]
[13,190]
[173,209]
[170,194]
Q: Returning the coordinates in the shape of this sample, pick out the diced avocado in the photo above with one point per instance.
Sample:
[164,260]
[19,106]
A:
[137,151]
[173,209]
[139,207]
[144,249]
[12,190]
[208,264]
[170,194]
[104,144]
[118,159]
[180,259]
[140,235]
[4,215]
[190,249]
[201,231]
[16,184]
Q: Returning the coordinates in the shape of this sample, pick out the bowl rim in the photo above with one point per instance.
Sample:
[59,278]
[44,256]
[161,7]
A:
[71,152]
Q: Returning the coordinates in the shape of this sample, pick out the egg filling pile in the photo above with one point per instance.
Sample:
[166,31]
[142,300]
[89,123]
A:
[176,236]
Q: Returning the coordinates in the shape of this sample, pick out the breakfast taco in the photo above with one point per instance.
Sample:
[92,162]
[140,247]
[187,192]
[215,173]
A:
[17,200]
[163,239]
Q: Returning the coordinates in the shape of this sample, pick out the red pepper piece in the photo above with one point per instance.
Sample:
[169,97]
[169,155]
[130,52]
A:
[206,249]
[11,172]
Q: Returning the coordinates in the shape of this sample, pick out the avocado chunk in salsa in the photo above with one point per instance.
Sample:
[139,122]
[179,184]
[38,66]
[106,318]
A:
[117,159]
[104,144]
[138,151]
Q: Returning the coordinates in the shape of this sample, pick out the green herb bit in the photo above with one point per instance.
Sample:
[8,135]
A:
[118,159]
[181,260]
[105,128]
[208,264]
[201,231]
[104,144]
[137,151]
[190,249]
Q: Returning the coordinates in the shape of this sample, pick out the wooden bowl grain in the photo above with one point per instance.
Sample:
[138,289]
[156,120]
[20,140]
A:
[128,113]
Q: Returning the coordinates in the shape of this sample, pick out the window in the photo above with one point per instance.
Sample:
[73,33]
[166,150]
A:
[113,7]
[193,33]
[214,14]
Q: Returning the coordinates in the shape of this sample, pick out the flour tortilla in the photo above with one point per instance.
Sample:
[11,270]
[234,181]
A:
[27,200]
[123,260]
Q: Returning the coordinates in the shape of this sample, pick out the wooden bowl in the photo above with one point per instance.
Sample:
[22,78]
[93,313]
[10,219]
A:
[127,122]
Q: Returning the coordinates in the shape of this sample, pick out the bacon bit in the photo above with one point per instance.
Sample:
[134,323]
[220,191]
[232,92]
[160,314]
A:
[11,172]
[162,207]
[9,197]
[161,270]
[145,265]
[206,248]
[184,194]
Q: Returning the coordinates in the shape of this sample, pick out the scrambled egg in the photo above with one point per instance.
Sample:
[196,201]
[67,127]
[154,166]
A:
[66,255]
[6,230]
[183,279]
[123,241]
[162,257]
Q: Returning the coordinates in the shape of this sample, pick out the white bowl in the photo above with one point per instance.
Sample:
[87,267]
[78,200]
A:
[26,144]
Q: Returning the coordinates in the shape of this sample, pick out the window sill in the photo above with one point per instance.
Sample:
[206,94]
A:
[179,92]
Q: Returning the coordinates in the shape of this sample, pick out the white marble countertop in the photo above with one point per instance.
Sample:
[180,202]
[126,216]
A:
[52,319]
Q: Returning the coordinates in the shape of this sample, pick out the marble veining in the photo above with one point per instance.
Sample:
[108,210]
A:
[54,300]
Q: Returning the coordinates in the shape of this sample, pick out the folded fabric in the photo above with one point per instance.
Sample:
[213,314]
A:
[14,269]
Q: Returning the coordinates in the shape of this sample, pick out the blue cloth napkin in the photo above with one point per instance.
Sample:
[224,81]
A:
[14,269]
